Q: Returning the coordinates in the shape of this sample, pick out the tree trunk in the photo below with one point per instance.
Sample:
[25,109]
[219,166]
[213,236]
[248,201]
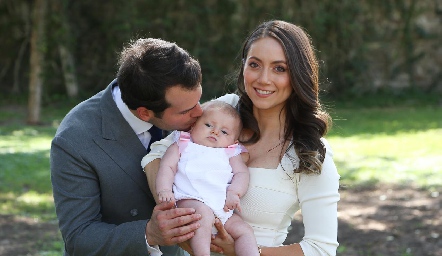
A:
[22,11]
[65,45]
[70,79]
[36,61]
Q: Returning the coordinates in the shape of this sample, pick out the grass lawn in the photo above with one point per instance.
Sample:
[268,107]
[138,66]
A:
[399,144]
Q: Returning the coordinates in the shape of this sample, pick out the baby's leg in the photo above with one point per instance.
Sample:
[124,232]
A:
[200,243]
[245,241]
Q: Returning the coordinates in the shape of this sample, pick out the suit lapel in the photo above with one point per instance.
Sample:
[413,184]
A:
[120,142]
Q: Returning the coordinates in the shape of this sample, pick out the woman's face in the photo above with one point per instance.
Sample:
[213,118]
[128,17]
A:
[266,74]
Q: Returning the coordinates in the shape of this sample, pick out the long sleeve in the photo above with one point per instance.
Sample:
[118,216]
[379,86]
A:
[77,198]
[157,150]
[318,196]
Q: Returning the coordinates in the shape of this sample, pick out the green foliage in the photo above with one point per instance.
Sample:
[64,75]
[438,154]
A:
[362,45]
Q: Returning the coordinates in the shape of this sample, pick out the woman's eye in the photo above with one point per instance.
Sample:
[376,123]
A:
[253,65]
[280,69]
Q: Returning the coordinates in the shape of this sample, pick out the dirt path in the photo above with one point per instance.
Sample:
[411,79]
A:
[379,221]
[387,221]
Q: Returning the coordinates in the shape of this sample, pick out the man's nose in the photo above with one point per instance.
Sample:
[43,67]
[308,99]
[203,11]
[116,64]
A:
[197,111]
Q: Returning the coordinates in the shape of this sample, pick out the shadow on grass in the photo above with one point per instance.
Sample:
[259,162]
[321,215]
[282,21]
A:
[25,186]
[22,172]
[27,236]
[385,220]
[368,171]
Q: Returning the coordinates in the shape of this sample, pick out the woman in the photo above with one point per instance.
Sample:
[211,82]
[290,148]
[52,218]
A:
[291,166]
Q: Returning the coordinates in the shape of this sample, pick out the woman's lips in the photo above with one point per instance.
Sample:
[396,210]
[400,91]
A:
[263,92]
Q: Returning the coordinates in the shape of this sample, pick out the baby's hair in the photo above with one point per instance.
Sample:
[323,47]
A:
[224,107]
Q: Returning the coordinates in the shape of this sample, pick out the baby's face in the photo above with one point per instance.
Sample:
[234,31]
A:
[215,129]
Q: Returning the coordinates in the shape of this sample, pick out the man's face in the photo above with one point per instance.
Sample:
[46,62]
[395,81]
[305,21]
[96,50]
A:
[183,111]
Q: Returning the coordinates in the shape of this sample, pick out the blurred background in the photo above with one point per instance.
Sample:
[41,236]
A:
[367,46]
[381,79]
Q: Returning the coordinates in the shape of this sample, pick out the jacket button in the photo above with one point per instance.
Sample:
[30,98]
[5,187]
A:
[134,212]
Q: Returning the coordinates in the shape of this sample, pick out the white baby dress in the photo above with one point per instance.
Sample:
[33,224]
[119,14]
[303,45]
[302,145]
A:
[204,173]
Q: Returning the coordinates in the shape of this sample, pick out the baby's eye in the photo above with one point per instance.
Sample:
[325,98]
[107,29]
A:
[224,132]
[208,125]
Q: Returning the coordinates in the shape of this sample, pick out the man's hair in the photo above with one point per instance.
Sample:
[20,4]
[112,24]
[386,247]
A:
[148,67]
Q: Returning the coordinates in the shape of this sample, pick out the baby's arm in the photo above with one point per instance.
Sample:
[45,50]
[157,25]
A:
[239,184]
[166,174]
[151,162]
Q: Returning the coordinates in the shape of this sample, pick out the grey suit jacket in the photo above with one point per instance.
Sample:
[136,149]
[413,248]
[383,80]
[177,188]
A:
[101,195]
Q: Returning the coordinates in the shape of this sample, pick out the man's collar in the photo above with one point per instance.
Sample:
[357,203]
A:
[139,126]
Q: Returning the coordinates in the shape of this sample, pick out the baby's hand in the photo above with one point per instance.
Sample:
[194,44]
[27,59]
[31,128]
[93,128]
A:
[166,196]
[232,202]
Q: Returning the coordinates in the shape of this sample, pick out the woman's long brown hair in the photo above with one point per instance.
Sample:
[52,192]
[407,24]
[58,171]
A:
[306,122]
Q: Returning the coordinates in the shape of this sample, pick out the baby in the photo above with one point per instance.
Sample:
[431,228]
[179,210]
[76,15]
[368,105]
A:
[204,170]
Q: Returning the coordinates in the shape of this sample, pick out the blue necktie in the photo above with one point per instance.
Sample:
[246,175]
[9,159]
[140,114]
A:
[156,134]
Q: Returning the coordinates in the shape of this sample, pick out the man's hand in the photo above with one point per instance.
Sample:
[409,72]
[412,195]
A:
[170,225]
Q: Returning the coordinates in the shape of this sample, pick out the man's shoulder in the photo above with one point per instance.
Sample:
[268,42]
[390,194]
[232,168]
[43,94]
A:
[83,117]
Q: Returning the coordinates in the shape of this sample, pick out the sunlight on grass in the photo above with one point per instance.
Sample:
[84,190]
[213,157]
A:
[34,199]
[31,204]
[25,187]
[404,158]
[24,141]
[24,159]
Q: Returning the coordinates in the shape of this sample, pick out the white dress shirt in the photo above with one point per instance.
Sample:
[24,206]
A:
[141,128]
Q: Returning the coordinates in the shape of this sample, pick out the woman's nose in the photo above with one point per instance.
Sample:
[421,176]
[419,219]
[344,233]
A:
[264,77]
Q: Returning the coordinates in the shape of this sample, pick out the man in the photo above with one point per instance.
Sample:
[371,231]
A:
[102,199]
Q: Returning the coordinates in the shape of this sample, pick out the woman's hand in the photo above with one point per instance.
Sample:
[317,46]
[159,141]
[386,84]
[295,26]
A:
[222,242]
